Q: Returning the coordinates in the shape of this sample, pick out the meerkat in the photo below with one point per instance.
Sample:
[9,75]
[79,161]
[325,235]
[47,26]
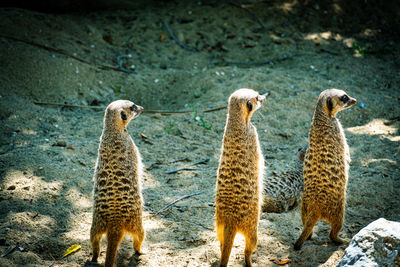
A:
[239,176]
[326,167]
[282,192]
[117,207]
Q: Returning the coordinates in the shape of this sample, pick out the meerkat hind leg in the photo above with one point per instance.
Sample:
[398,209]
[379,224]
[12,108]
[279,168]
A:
[95,237]
[226,244]
[251,244]
[336,226]
[114,237]
[307,231]
[138,240]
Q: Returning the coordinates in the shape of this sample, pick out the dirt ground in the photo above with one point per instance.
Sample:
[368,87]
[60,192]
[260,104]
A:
[292,49]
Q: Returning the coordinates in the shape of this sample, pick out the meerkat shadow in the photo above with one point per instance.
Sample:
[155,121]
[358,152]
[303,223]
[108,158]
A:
[215,263]
[89,263]
[134,260]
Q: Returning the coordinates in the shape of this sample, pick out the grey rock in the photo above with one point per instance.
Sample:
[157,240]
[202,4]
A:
[377,244]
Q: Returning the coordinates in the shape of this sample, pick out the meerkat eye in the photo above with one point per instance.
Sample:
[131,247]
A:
[344,98]
[133,108]
[249,105]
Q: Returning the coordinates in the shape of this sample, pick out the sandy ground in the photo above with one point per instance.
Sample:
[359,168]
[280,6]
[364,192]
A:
[47,154]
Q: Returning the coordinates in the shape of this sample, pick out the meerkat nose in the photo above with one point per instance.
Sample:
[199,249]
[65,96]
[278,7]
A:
[263,97]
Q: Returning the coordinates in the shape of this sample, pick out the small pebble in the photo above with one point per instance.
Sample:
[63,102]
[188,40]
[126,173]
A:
[61,143]
[11,187]
[163,66]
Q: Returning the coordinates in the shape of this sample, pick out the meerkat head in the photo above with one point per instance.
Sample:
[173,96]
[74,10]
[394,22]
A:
[119,113]
[243,103]
[335,100]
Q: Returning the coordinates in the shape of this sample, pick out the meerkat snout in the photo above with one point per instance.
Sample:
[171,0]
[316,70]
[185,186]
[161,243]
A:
[336,100]
[136,108]
[261,98]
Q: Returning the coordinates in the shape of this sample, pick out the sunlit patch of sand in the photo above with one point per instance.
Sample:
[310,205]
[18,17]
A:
[374,127]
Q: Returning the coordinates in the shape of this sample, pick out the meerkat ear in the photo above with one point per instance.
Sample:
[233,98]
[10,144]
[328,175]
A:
[329,103]
[123,116]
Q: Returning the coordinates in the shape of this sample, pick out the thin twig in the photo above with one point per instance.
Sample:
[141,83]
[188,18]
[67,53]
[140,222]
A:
[187,167]
[248,64]
[199,224]
[54,260]
[65,53]
[143,111]
[121,66]
[263,28]
[157,163]
[9,250]
[176,40]
[251,14]
[167,207]
[357,215]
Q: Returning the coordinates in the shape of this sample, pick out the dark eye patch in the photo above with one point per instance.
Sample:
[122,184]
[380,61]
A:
[329,103]
[344,98]
[249,105]
[123,116]
[133,108]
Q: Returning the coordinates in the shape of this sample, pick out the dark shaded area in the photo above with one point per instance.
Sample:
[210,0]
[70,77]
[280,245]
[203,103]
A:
[351,17]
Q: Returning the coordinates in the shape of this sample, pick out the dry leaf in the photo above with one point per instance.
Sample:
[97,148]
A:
[72,249]
[162,37]
[283,262]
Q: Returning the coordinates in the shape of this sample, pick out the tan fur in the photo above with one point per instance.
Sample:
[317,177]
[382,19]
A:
[117,194]
[326,167]
[282,192]
[239,177]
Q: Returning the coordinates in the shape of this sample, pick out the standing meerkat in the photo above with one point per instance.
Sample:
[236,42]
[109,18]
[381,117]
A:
[326,167]
[117,194]
[282,192]
[239,176]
